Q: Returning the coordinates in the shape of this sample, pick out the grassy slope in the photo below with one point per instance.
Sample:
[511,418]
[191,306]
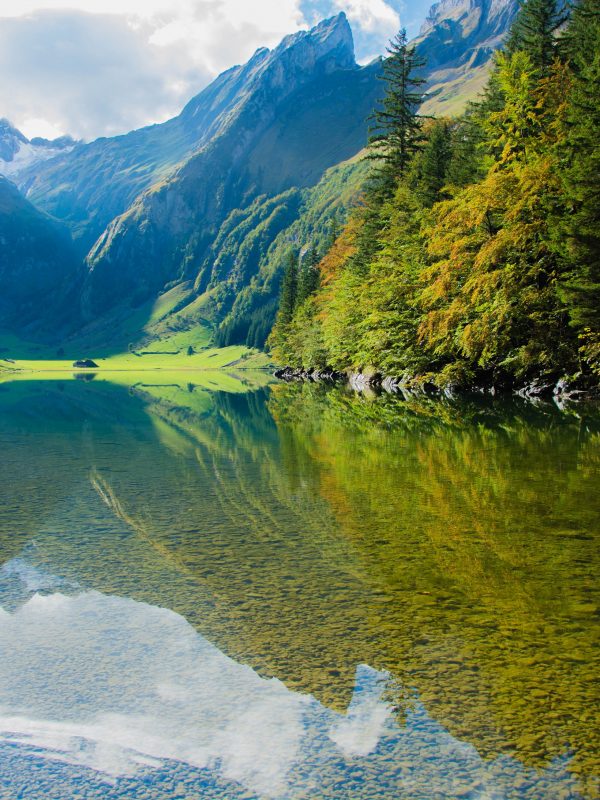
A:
[169,354]
[448,95]
[332,198]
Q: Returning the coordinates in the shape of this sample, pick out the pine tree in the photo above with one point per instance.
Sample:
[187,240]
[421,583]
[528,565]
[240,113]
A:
[397,131]
[535,30]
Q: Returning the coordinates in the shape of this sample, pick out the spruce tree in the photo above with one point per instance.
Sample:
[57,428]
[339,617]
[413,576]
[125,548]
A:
[580,40]
[433,163]
[396,136]
[334,231]
[580,226]
[308,278]
[289,290]
[535,31]
[397,133]
[467,162]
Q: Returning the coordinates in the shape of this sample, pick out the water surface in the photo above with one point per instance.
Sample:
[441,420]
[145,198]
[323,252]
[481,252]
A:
[295,593]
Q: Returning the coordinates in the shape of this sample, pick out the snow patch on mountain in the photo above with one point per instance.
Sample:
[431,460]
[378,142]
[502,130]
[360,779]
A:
[17,152]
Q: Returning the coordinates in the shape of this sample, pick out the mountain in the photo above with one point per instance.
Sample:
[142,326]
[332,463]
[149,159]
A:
[194,216]
[39,269]
[98,182]
[17,152]
[303,111]
[458,40]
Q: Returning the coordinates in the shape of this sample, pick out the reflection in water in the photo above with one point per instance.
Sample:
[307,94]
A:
[114,685]
[196,583]
[121,687]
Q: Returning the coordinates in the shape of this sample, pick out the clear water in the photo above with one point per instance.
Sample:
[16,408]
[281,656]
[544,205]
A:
[293,593]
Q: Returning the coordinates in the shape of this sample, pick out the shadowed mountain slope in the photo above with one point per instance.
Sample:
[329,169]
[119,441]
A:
[39,269]
[303,113]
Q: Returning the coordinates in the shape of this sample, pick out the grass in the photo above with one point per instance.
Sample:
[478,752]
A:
[209,359]
[21,358]
[449,96]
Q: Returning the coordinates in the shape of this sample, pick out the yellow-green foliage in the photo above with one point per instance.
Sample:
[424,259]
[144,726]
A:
[396,471]
[494,279]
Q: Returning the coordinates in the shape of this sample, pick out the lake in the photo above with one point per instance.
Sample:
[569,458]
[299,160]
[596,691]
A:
[212,587]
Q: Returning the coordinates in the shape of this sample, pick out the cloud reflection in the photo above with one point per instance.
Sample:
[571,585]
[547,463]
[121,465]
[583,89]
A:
[121,688]
[118,686]
[113,684]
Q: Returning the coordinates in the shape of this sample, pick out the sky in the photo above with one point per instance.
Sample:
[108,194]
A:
[93,68]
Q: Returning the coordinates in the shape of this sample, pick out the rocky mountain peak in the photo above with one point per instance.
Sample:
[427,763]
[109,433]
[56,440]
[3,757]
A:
[8,129]
[300,57]
[455,31]
[18,152]
[449,10]
[11,140]
[330,40]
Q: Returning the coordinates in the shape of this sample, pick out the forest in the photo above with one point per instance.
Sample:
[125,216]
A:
[473,256]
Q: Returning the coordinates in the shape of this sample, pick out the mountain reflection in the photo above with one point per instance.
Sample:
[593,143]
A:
[121,687]
[295,536]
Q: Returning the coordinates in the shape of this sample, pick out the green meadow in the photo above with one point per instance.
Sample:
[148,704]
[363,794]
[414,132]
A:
[184,351]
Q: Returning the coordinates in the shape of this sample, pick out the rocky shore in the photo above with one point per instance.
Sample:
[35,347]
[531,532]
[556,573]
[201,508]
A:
[572,389]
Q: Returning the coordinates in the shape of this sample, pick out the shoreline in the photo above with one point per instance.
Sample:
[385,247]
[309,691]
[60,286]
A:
[540,388]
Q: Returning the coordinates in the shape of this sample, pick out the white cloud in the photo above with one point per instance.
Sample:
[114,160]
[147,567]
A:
[139,8]
[363,727]
[101,67]
[371,15]
[375,22]
[89,75]
[35,126]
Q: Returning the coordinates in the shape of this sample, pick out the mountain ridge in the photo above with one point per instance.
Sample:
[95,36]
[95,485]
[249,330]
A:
[253,155]
[17,152]
[99,181]
[146,209]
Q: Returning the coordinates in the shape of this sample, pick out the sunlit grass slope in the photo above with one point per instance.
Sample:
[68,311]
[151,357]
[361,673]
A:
[186,350]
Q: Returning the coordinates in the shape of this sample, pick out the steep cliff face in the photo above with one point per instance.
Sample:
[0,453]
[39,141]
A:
[454,29]
[458,39]
[39,272]
[302,109]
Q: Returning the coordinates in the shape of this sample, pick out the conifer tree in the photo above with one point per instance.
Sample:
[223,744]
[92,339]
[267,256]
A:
[395,139]
[434,162]
[580,225]
[397,131]
[308,277]
[535,30]
[500,279]
[289,290]
[334,231]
